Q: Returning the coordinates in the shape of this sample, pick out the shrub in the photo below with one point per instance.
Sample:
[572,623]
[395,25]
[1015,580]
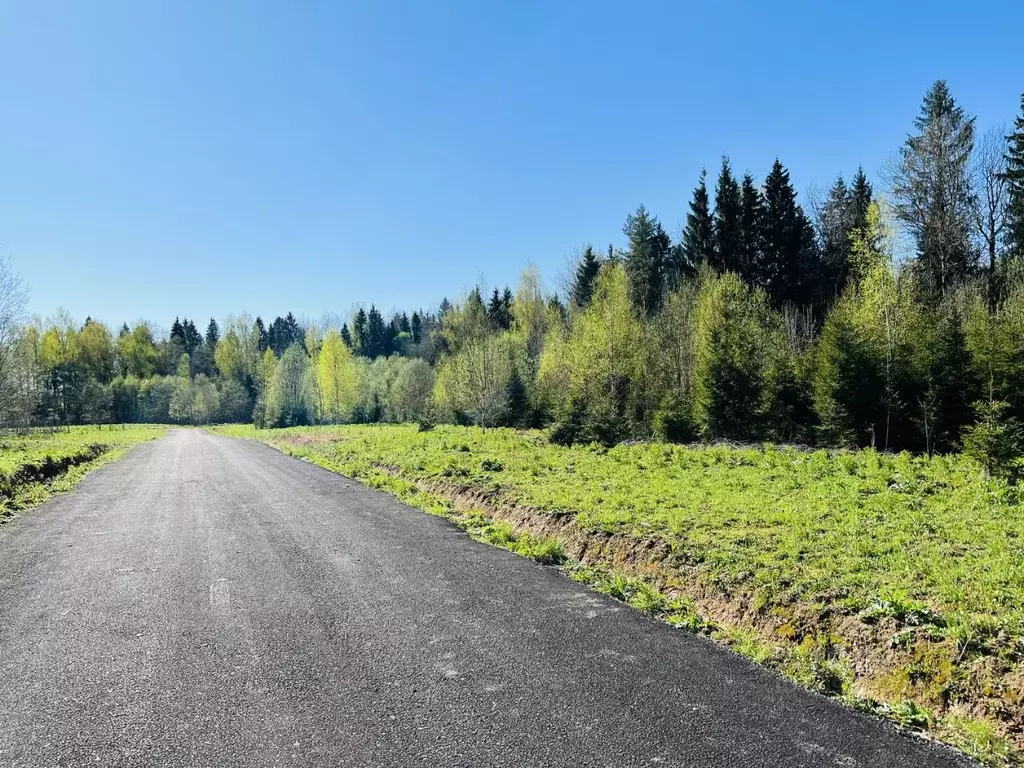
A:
[994,440]
[672,420]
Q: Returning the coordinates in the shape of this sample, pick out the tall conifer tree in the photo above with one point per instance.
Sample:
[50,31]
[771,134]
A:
[698,244]
[727,226]
[1015,186]
[933,190]
[646,260]
[835,222]
[861,197]
[792,268]
[583,282]
[212,334]
[751,231]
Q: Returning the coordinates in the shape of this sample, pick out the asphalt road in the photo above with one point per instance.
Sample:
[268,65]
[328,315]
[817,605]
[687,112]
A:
[211,602]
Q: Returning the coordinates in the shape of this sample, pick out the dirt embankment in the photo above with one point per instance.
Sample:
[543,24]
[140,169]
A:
[46,470]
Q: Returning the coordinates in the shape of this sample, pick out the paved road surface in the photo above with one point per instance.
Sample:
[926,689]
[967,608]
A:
[211,602]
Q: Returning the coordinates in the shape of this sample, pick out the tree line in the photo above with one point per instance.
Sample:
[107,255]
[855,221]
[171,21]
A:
[762,319]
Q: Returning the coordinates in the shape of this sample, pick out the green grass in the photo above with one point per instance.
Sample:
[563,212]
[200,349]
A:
[892,578]
[35,465]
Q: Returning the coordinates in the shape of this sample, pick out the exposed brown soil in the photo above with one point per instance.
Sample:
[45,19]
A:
[46,469]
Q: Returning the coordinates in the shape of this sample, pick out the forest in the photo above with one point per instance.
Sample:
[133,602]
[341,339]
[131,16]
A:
[853,318]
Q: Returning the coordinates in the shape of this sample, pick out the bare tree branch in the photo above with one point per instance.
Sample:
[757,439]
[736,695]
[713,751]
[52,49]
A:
[988,174]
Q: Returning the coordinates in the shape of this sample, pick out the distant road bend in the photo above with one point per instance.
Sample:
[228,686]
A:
[210,602]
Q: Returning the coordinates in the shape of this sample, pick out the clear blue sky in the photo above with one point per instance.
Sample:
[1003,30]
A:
[200,158]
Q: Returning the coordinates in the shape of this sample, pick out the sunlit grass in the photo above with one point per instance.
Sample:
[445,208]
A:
[32,465]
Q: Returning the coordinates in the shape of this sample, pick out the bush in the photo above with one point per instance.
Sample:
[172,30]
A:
[733,327]
[672,420]
[582,424]
[995,439]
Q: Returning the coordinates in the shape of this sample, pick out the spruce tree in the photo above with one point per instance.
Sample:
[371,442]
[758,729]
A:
[275,336]
[835,222]
[496,312]
[861,196]
[727,227]
[555,305]
[284,332]
[933,191]
[293,330]
[951,383]
[519,412]
[475,302]
[792,267]
[260,332]
[506,305]
[377,342]
[416,327]
[189,337]
[646,260]
[346,335]
[212,334]
[1015,186]
[177,333]
[698,244]
[751,226]
[583,282]
[359,332]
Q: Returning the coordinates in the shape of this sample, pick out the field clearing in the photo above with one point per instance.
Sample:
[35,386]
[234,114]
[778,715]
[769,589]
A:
[893,581]
[36,464]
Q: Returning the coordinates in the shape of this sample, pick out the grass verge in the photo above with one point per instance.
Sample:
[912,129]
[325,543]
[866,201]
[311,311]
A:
[892,582]
[35,465]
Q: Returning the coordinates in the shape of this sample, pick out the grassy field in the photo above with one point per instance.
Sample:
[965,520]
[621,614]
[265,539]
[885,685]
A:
[895,582]
[35,465]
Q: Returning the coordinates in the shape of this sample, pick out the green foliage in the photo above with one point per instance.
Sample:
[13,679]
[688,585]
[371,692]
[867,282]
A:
[781,336]
[872,354]
[732,329]
[590,376]
[847,384]
[843,216]
[698,244]
[995,341]
[727,222]
[583,280]
[995,440]
[911,613]
[752,214]
[234,405]
[980,739]
[673,421]
[465,324]
[474,383]
[547,552]
[287,394]
[646,260]
[790,268]
[412,390]
[933,190]
[338,379]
